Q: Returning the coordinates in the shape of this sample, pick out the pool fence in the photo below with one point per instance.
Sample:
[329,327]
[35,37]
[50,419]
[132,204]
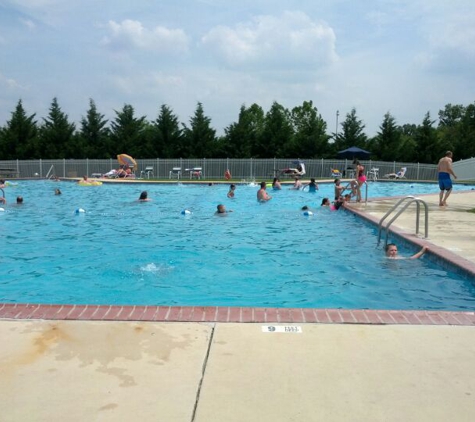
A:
[249,169]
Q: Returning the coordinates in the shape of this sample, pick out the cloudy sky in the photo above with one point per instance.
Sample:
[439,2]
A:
[407,57]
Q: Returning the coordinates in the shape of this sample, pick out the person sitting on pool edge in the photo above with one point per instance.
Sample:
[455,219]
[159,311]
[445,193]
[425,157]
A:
[262,195]
[391,252]
[221,210]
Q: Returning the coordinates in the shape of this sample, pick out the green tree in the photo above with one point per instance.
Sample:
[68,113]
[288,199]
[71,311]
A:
[94,135]
[310,139]
[200,137]
[456,130]
[466,147]
[246,132]
[168,136]
[408,143]
[57,138]
[428,147]
[388,140]
[352,133]
[127,132]
[19,138]
[276,135]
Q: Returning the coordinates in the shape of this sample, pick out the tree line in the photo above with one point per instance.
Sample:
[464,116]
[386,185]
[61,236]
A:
[279,132]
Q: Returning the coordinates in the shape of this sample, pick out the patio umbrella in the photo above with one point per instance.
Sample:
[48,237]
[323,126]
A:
[126,160]
[354,152]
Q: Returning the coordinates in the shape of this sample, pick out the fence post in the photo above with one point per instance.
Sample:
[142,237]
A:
[322,169]
[41,169]
[87,167]
[64,167]
[417,171]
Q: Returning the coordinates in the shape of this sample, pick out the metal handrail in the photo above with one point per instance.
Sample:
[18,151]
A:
[409,200]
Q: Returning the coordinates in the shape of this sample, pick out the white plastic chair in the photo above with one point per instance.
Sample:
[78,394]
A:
[147,172]
[175,173]
[373,174]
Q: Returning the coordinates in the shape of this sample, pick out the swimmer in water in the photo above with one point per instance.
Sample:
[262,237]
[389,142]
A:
[391,252]
[221,210]
[262,195]
[232,188]
[143,197]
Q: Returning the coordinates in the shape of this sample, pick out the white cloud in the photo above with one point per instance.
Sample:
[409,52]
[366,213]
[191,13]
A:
[11,83]
[292,38]
[130,34]
[28,23]
[455,33]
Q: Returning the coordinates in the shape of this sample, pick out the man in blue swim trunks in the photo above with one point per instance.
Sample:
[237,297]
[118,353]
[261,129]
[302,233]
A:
[444,168]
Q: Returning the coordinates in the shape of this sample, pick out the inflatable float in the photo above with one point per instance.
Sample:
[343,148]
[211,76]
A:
[91,183]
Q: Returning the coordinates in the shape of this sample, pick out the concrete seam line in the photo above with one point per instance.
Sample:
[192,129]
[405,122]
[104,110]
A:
[203,370]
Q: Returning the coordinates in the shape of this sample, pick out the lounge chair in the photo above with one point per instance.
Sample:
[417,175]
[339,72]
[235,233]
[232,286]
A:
[298,171]
[335,173]
[401,174]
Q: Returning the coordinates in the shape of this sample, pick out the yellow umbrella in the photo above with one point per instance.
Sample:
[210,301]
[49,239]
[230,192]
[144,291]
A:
[126,160]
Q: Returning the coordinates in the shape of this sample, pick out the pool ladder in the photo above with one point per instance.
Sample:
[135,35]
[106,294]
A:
[406,201]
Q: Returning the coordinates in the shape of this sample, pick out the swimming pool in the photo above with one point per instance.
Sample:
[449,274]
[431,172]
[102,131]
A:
[124,252]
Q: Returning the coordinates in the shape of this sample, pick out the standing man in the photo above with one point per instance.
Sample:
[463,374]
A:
[444,168]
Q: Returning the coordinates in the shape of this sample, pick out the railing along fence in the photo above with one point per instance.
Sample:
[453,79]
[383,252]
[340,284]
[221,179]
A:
[213,169]
[465,169]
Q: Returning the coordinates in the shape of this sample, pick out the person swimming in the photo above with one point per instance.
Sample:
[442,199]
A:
[232,188]
[143,197]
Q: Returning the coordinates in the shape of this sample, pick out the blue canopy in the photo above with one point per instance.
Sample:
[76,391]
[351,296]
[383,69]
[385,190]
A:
[354,152]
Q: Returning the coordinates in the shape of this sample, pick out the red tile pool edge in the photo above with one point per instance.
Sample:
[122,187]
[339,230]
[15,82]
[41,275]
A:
[232,314]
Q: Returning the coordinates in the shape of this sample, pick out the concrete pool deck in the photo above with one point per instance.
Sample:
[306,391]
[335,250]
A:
[54,366]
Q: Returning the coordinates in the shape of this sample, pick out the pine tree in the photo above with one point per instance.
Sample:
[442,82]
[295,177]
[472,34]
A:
[57,134]
[168,136]
[19,138]
[95,135]
[127,132]
[200,137]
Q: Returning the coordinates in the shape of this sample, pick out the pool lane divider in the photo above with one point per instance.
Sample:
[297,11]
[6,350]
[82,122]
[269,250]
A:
[19,311]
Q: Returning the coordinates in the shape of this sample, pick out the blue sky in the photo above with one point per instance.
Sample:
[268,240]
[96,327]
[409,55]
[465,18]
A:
[407,57]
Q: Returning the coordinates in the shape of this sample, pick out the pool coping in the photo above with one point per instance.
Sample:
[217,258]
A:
[227,314]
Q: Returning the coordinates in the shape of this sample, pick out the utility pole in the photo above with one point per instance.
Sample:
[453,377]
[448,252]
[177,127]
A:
[336,130]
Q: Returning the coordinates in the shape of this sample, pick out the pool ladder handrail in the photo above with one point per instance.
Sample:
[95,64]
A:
[409,200]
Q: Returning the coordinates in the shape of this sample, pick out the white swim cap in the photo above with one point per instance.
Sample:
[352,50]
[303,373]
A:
[185,212]
[80,210]
[2,209]
[307,213]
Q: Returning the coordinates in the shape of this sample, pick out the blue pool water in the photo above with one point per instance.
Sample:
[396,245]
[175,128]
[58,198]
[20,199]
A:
[124,252]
